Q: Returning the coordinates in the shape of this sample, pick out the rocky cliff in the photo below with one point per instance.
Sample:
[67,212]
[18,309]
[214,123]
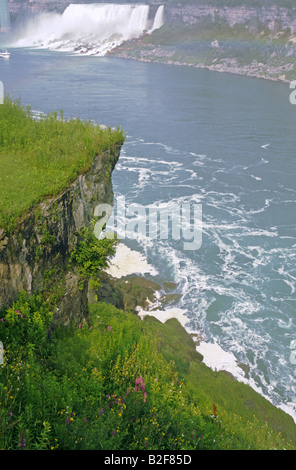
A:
[35,256]
[247,40]
[19,8]
[274,17]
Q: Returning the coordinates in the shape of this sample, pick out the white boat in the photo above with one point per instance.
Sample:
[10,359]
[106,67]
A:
[5,54]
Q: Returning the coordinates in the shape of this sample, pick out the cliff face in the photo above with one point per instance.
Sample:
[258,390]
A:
[18,8]
[35,256]
[273,17]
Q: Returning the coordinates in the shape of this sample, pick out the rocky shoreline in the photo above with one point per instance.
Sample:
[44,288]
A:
[130,286]
[226,65]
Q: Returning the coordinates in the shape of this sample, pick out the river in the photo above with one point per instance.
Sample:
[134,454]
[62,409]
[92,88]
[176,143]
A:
[198,138]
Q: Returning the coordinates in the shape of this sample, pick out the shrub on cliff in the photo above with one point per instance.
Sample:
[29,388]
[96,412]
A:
[91,255]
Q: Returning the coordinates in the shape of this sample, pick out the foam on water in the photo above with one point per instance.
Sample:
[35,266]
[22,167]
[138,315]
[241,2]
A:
[218,359]
[224,288]
[165,315]
[127,261]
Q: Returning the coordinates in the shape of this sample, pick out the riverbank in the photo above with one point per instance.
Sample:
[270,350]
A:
[118,382]
[136,291]
[217,46]
[253,71]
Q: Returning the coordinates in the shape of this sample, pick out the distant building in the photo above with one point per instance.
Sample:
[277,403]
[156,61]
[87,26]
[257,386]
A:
[4,16]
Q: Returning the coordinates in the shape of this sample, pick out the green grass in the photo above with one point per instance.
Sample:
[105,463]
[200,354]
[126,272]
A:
[40,158]
[238,405]
[120,383]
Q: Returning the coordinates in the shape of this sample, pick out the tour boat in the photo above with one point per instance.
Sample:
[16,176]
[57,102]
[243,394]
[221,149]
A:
[5,54]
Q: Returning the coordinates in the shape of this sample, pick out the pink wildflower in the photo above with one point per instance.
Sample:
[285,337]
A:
[22,444]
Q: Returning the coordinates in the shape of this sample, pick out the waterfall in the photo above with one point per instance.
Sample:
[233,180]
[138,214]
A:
[158,20]
[4,16]
[94,28]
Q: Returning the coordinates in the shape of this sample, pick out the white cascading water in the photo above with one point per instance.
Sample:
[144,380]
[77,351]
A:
[92,29]
[158,19]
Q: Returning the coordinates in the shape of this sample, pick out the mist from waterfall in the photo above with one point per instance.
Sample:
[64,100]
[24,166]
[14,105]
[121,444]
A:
[92,29]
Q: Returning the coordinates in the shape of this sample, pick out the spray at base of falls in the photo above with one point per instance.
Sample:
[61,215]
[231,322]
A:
[92,29]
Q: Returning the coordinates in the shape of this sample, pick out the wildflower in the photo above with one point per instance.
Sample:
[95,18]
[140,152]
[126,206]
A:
[113,433]
[67,420]
[85,420]
[139,384]
[101,411]
[2,319]
[137,381]
[22,444]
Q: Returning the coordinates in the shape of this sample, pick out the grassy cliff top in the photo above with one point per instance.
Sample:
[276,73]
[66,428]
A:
[40,157]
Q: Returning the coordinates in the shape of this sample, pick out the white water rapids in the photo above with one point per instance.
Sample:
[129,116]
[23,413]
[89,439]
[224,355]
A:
[92,29]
